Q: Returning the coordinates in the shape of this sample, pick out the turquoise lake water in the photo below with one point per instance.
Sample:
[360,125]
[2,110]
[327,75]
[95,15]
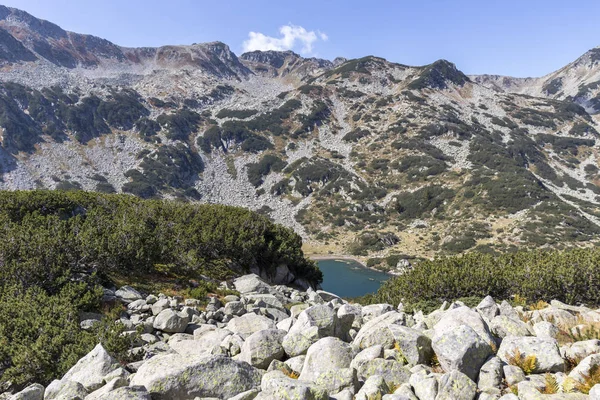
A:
[347,278]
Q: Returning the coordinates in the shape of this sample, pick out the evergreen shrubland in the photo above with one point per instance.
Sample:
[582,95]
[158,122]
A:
[57,246]
[571,276]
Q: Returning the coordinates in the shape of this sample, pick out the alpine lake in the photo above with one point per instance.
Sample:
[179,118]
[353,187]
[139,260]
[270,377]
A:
[348,278]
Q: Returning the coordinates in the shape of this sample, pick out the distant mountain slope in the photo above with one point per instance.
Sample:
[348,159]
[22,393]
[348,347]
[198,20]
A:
[578,81]
[363,156]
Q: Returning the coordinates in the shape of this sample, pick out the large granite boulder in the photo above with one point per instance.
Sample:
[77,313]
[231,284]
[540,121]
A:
[262,347]
[461,349]
[173,376]
[325,355]
[545,350]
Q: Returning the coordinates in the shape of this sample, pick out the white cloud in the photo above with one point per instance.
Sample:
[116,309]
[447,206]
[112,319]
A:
[292,37]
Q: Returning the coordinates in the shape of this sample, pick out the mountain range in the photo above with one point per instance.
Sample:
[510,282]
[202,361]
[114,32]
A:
[361,156]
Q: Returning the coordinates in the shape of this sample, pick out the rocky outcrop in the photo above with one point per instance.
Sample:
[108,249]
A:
[318,346]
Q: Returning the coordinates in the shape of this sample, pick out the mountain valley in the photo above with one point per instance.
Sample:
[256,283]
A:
[362,156]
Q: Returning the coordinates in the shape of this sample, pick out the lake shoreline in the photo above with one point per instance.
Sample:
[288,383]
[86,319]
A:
[317,257]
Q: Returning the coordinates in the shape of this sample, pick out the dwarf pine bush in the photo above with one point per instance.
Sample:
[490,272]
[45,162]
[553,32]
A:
[571,276]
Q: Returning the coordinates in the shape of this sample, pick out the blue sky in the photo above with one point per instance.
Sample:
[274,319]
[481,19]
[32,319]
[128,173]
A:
[517,38]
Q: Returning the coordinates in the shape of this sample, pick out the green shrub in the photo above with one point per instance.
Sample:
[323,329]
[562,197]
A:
[415,204]
[256,171]
[239,114]
[50,237]
[55,234]
[180,125]
[40,338]
[570,276]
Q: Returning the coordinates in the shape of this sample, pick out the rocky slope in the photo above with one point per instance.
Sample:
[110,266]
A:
[274,342]
[363,156]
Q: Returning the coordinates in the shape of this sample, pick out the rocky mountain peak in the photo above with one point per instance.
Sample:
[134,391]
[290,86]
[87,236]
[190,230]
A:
[339,60]
[276,59]
[22,21]
[283,63]
[438,75]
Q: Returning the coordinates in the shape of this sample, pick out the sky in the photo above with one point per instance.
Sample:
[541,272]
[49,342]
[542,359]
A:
[516,38]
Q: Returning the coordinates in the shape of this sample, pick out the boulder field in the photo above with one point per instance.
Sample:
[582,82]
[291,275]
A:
[276,342]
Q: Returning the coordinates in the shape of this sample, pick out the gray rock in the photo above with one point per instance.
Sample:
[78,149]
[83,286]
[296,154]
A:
[296,309]
[396,397]
[321,316]
[277,365]
[491,374]
[464,316]
[31,392]
[296,363]
[138,305]
[283,276]
[508,310]
[406,391]
[368,354]
[461,349]
[88,324]
[91,369]
[374,388]
[249,323]
[580,350]
[127,294]
[109,387]
[173,376]
[375,310]
[336,380]
[65,390]
[503,326]
[296,344]
[545,350]
[584,367]
[262,347]
[513,374]
[117,373]
[286,324]
[231,297]
[127,393]
[415,346]
[393,372]
[159,306]
[595,392]
[528,391]
[488,308]
[376,331]
[556,315]
[345,394]
[349,316]
[545,329]
[327,296]
[236,308]
[251,283]
[233,344]
[314,298]
[455,385]
[148,338]
[325,355]
[189,345]
[425,386]
[211,338]
[171,322]
[276,386]
[247,395]
[274,314]
[151,299]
